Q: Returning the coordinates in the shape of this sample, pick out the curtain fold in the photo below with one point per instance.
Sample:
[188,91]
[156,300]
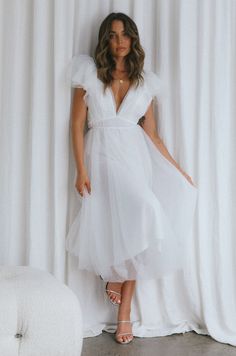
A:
[192,45]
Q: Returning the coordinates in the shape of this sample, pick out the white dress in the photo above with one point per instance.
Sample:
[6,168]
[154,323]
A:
[135,223]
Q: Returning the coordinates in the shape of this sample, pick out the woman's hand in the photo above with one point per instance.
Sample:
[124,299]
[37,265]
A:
[187,177]
[81,181]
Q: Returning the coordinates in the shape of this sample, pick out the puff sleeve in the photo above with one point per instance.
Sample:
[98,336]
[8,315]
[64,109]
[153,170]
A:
[80,71]
[154,86]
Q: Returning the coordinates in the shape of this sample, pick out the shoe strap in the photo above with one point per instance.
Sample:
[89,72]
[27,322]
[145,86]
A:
[124,321]
[122,334]
[112,291]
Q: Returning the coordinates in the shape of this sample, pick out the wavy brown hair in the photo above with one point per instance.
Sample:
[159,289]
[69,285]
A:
[134,60]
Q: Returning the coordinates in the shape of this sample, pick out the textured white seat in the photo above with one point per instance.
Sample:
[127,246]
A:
[39,315]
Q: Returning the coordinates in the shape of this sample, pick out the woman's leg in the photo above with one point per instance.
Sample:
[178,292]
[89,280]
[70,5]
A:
[125,309]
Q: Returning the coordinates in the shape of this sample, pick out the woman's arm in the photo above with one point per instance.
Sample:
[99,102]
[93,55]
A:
[78,118]
[149,126]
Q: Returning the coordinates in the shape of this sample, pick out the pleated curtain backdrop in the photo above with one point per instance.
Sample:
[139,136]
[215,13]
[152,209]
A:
[192,45]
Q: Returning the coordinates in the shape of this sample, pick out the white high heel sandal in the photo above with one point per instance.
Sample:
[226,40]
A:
[122,334]
[112,291]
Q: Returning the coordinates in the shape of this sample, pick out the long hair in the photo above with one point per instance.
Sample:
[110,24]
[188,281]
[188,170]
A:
[105,63]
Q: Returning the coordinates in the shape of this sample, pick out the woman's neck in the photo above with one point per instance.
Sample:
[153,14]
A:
[120,64]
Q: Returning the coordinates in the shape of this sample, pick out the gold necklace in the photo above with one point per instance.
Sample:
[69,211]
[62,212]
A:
[121,81]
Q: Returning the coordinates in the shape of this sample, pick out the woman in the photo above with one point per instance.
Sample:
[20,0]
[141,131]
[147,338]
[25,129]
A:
[140,203]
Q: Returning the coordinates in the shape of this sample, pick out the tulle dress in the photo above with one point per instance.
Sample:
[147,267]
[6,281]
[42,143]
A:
[135,222]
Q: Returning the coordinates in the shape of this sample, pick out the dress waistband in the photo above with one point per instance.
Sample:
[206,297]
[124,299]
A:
[111,123]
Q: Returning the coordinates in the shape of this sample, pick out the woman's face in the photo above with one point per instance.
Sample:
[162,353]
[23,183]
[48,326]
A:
[119,41]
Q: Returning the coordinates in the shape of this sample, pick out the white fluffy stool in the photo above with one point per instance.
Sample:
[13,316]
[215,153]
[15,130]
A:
[39,315]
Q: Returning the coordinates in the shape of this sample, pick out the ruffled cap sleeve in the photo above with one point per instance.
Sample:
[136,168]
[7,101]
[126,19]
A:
[80,70]
[154,85]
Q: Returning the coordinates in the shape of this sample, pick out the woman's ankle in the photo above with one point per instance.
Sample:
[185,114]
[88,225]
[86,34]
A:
[124,314]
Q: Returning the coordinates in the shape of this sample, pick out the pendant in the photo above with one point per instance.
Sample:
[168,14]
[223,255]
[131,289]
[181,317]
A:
[121,81]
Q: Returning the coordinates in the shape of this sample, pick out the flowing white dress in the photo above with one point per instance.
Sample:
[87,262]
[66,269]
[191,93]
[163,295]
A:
[135,222]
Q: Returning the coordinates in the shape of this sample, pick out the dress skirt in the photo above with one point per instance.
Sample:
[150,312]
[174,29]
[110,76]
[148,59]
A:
[136,222]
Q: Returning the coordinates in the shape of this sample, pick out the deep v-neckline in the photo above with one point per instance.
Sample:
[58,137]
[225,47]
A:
[117,111]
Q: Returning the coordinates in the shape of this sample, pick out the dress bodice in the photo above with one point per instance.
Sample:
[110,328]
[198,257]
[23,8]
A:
[82,73]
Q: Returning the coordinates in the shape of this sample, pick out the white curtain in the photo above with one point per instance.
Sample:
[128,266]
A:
[192,44]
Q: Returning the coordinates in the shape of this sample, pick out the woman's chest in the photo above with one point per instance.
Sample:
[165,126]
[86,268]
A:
[132,103]
[120,88]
